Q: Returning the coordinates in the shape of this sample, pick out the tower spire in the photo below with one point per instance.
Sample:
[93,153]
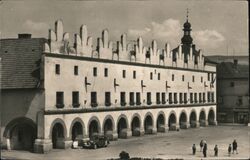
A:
[187,14]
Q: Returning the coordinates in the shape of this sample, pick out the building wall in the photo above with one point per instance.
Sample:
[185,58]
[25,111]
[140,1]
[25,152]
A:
[20,103]
[230,109]
[68,82]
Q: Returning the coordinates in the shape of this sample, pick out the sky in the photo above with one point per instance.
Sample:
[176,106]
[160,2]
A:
[219,27]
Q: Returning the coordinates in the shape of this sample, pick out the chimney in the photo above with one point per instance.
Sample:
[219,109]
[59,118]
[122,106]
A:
[24,36]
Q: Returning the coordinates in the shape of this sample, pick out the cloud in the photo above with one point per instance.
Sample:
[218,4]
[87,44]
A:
[167,31]
[208,38]
[170,30]
[38,28]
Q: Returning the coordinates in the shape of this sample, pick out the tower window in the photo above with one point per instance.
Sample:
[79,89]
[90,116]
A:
[183,78]
[75,70]
[193,78]
[172,77]
[105,72]
[94,71]
[201,79]
[57,68]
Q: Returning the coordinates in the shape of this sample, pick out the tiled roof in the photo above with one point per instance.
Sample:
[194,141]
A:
[229,70]
[20,62]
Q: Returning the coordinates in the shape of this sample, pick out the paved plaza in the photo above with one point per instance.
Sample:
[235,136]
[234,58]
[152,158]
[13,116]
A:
[168,145]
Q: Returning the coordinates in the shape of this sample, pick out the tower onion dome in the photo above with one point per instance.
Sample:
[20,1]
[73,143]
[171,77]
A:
[187,25]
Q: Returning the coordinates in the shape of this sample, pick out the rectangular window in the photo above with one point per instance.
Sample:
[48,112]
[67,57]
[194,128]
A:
[151,75]
[185,98]
[123,98]
[149,102]
[123,73]
[200,98]
[212,96]
[204,97]
[180,98]
[170,99]
[107,99]
[231,84]
[172,77]
[93,99]
[240,101]
[57,68]
[208,97]
[138,98]
[94,71]
[201,79]
[59,100]
[75,70]
[159,76]
[134,74]
[75,99]
[158,98]
[183,78]
[175,98]
[105,72]
[212,76]
[191,97]
[208,76]
[195,98]
[131,98]
[163,98]
[193,78]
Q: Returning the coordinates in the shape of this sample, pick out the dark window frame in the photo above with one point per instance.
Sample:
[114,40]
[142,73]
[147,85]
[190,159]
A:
[75,70]
[57,69]
[75,99]
[95,71]
[59,99]
[105,72]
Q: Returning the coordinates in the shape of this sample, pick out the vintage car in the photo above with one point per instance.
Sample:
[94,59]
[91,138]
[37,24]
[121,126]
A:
[96,141]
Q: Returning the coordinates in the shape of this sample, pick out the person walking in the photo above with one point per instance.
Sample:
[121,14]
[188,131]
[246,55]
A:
[205,150]
[216,150]
[201,145]
[229,150]
[235,147]
[194,149]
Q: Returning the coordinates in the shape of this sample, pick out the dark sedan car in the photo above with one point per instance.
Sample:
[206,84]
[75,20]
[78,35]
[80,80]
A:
[96,141]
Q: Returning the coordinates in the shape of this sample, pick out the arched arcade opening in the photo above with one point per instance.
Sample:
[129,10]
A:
[193,120]
[135,126]
[148,125]
[58,135]
[183,121]
[172,122]
[94,128]
[122,128]
[161,123]
[202,118]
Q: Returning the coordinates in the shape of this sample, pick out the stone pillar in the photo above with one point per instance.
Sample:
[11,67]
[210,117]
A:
[125,133]
[63,143]
[204,123]
[138,131]
[112,135]
[42,145]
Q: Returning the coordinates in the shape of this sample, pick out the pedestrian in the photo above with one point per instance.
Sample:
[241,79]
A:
[194,149]
[229,149]
[205,150]
[235,147]
[201,145]
[216,150]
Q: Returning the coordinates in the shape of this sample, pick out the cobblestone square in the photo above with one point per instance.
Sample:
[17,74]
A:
[172,144]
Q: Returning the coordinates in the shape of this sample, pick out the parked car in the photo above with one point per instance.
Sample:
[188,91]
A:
[96,141]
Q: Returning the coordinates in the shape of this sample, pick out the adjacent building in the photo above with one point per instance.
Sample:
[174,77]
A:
[54,92]
[233,92]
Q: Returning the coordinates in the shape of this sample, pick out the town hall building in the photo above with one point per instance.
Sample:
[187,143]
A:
[54,92]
